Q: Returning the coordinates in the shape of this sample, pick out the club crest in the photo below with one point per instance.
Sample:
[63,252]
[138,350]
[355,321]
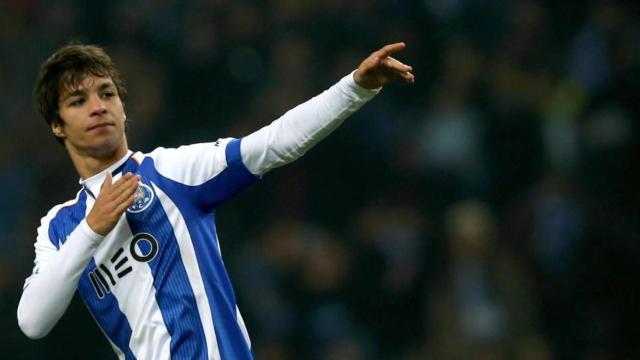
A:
[142,198]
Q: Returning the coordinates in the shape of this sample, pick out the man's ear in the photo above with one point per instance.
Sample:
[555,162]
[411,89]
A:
[58,130]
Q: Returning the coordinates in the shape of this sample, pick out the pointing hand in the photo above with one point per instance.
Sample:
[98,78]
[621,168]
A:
[380,68]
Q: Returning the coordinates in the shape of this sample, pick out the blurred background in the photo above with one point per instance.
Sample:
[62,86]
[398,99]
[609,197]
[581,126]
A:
[485,213]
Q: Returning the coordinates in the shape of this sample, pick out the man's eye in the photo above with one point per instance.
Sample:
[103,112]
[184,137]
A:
[77,102]
[108,94]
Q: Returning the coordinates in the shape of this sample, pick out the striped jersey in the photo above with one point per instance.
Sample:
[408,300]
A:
[158,276]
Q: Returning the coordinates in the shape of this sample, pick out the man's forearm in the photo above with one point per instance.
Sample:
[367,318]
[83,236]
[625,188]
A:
[290,136]
[49,292]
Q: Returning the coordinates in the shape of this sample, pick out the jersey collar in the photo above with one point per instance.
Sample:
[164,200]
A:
[93,184]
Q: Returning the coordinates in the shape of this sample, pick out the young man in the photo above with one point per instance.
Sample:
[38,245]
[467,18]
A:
[139,242]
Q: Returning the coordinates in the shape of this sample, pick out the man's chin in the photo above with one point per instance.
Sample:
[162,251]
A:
[105,149]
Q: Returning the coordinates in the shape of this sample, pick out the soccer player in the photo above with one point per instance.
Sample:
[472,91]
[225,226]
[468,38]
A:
[138,242]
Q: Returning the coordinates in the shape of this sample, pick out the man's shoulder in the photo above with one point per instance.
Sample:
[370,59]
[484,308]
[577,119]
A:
[189,149]
[192,164]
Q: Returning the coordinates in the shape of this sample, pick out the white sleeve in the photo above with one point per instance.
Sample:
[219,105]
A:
[290,136]
[191,164]
[49,290]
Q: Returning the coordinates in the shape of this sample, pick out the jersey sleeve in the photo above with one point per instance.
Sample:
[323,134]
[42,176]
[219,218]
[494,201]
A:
[212,172]
[56,273]
[292,135]
[191,164]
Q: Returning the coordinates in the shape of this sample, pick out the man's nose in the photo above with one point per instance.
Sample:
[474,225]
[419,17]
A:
[97,106]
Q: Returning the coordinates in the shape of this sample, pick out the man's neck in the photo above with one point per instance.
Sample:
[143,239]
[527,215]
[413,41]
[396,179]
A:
[88,165]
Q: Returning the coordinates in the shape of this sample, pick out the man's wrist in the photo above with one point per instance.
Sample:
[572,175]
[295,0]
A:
[358,89]
[90,230]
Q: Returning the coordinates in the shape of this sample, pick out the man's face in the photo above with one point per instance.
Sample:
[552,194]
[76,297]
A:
[93,118]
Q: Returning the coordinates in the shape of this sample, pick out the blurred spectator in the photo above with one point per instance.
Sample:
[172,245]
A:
[451,144]
[481,303]
[389,273]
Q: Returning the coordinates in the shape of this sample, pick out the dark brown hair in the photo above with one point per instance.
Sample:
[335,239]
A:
[65,70]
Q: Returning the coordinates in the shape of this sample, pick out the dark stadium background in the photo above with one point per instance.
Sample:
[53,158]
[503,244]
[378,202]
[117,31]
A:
[488,212]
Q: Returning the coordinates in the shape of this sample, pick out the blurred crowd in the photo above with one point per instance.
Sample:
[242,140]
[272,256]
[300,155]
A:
[484,213]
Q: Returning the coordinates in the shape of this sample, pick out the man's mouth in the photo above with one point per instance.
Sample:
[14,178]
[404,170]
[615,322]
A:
[99,126]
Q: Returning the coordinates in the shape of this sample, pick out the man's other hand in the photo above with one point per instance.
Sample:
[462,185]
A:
[380,68]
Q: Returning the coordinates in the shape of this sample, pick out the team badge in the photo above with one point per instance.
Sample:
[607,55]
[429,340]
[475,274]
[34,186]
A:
[142,198]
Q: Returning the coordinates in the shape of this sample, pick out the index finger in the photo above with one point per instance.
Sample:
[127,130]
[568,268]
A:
[391,48]
[108,181]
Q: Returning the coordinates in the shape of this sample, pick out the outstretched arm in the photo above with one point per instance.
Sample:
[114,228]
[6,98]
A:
[290,136]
